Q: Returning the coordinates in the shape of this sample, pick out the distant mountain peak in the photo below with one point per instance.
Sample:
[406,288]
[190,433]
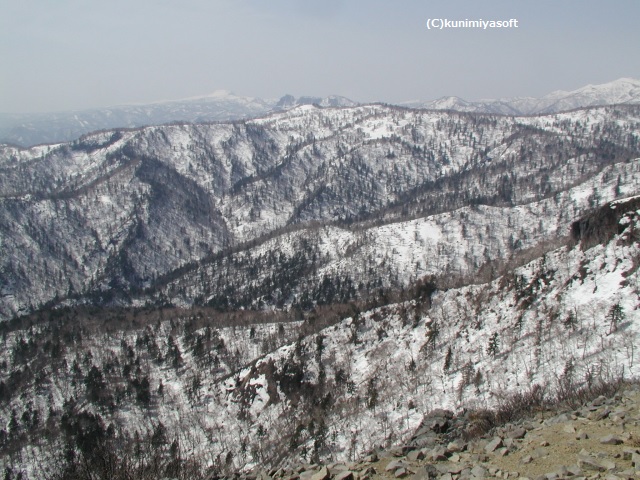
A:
[289,101]
[216,94]
[622,90]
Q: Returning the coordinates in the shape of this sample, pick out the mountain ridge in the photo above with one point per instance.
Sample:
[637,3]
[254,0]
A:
[27,130]
[223,105]
[621,91]
[193,191]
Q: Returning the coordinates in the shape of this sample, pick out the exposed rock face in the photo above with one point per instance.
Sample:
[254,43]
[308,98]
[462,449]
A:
[559,458]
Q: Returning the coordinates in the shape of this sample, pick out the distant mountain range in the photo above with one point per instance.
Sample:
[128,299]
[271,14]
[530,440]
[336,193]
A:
[622,91]
[33,129]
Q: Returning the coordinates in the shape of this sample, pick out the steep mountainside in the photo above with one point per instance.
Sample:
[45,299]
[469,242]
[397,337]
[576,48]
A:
[157,214]
[288,392]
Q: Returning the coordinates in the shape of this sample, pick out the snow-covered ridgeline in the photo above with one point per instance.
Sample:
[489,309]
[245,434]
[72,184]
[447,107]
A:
[120,209]
[621,91]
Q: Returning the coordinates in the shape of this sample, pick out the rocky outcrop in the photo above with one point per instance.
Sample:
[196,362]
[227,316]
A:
[599,440]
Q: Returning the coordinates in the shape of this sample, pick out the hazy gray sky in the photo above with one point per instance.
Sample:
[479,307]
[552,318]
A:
[74,54]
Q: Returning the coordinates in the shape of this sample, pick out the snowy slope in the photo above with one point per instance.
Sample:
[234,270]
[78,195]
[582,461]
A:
[116,213]
[568,316]
[455,244]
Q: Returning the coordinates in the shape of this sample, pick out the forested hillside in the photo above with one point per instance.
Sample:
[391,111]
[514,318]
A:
[205,299]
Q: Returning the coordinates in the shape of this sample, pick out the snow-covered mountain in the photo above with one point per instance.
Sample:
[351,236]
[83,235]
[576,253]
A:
[621,91]
[270,394]
[309,284]
[289,101]
[118,215]
[33,129]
